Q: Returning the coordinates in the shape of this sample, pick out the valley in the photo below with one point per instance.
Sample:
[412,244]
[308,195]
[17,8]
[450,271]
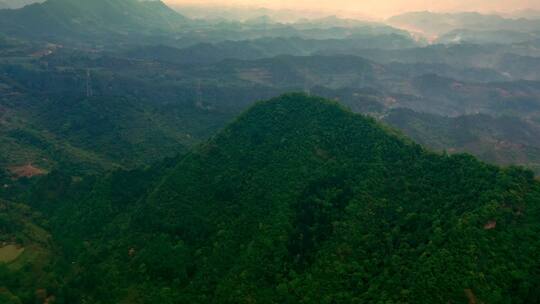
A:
[136,104]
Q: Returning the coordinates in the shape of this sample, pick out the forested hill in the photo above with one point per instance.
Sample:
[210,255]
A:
[61,19]
[301,201]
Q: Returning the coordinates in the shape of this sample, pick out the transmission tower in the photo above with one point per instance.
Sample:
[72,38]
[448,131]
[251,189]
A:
[199,101]
[89,92]
[307,88]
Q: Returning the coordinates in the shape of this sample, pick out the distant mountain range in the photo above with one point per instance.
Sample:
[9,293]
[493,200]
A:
[436,24]
[228,13]
[526,13]
[487,36]
[107,20]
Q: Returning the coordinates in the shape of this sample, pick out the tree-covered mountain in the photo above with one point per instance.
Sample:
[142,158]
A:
[90,111]
[15,4]
[64,19]
[114,23]
[117,185]
[211,53]
[299,201]
[485,61]
[526,67]
[504,140]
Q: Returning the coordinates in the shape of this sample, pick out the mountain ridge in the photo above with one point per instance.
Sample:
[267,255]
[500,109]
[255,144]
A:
[434,24]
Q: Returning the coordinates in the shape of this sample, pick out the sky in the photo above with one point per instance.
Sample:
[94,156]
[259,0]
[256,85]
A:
[378,8]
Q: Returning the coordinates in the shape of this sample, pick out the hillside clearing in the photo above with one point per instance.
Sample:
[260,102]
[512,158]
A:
[10,253]
[26,171]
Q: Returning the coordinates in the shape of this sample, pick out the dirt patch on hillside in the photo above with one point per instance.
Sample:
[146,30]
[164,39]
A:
[10,253]
[471,297]
[26,171]
[259,76]
[490,225]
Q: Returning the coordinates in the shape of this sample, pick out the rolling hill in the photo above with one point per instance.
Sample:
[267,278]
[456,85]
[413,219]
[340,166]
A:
[150,102]
[300,201]
[502,140]
[137,165]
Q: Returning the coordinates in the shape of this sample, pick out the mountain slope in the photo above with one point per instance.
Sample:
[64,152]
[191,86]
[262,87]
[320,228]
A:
[68,18]
[301,201]
[502,140]
[435,24]
[349,195]
[14,4]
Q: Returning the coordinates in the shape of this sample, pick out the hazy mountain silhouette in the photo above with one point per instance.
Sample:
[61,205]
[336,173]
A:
[72,18]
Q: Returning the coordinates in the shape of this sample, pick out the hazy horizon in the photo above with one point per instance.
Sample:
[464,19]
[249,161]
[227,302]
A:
[375,8]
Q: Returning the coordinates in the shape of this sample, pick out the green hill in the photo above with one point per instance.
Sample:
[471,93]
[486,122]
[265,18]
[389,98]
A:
[300,201]
[14,4]
[61,19]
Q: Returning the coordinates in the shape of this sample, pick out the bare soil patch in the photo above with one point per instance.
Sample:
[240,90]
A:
[26,171]
[490,225]
[10,253]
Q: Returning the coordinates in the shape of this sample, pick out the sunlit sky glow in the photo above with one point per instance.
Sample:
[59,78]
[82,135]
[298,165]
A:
[378,8]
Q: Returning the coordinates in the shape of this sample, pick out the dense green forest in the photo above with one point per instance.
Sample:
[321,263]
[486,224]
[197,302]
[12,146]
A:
[503,140]
[297,201]
[145,157]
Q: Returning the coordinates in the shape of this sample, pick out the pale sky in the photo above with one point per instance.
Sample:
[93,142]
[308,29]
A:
[379,8]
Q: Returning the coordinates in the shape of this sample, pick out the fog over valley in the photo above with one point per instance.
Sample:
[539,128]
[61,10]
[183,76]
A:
[375,9]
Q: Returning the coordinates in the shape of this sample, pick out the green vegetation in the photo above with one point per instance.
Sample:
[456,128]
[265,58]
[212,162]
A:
[299,201]
[89,18]
[95,134]
[504,140]
[109,119]
[30,269]
[142,111]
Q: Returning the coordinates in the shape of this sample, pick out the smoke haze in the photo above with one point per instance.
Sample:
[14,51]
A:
[377,8]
